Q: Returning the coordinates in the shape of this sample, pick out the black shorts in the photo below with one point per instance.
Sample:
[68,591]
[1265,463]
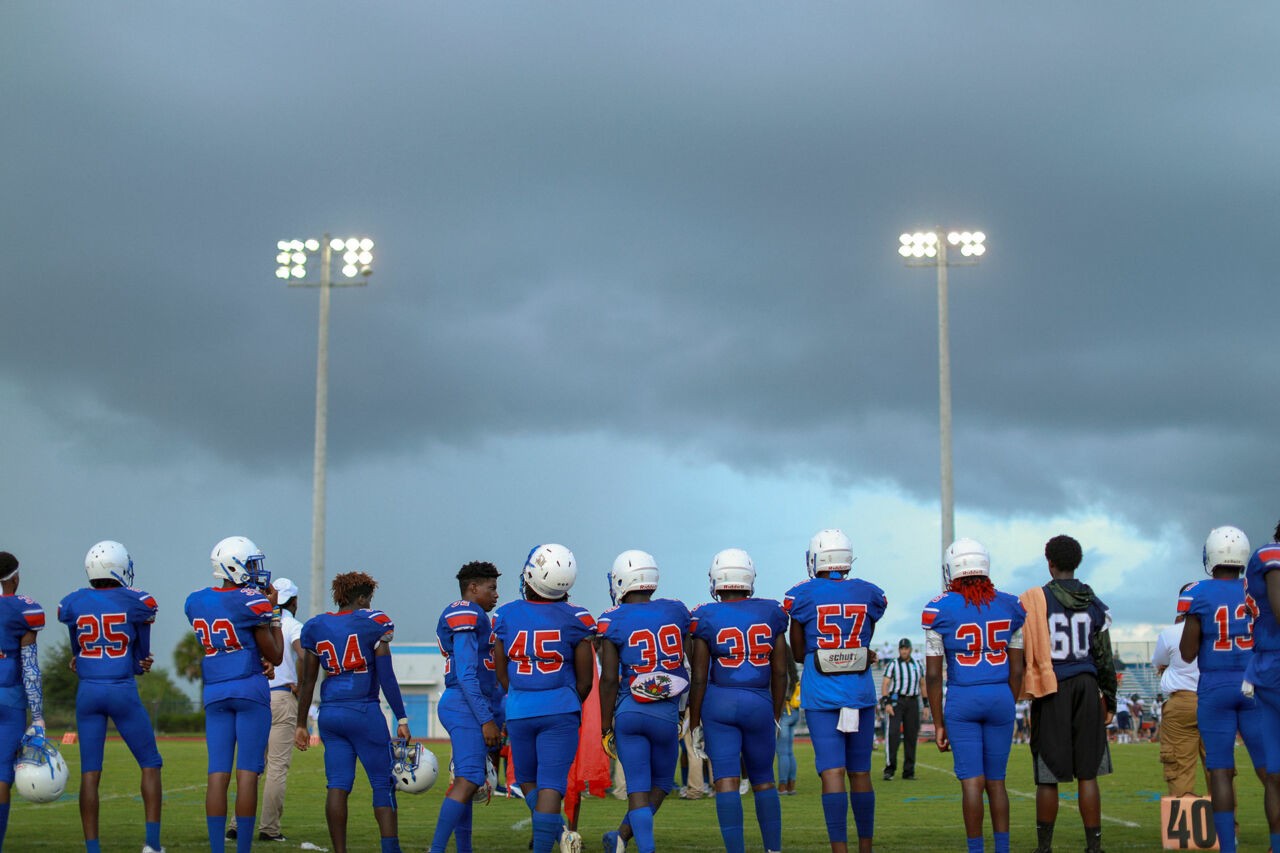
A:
[1068,734]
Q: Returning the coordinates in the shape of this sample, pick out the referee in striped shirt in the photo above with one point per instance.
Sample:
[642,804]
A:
[901,701]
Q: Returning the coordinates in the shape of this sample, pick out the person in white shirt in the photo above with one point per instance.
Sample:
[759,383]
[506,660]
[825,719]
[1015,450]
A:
[1179,733]
[284,714]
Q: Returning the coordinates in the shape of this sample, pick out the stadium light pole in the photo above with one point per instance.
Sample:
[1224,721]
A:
[929,249]
[291,265]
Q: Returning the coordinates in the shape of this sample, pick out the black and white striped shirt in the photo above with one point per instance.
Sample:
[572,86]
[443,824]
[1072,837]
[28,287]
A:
[903,677]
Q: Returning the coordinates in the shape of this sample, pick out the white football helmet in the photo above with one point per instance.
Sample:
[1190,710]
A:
[1226,546]
[485,791]
[633,571]
[829,551]
[109,561]
[238,560]
[40,772]
[732,571]
[965,558]
[414,768]
[550,571]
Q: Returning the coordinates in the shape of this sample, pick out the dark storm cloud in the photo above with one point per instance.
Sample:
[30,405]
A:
[666,223]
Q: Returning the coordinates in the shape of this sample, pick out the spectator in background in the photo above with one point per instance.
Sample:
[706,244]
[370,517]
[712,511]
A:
[787,732]
[900,691]
[1124,720]
[284,714]
[1180,744]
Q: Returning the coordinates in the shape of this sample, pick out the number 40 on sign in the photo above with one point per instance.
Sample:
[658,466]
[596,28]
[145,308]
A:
[1187,823]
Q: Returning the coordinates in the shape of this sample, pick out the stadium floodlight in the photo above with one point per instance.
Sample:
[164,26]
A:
[291,265]
[926,249]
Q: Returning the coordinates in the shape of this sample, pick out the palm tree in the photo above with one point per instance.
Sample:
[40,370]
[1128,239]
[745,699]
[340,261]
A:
[187,658]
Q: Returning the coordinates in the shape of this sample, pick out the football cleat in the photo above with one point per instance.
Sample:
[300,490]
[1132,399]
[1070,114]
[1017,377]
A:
[414,768]
[965,558]
[613,842]
[40,772]
[238,560]
[550,571]
[829,551]
[732,570]
[109,560]
[633,571]
[1226,546]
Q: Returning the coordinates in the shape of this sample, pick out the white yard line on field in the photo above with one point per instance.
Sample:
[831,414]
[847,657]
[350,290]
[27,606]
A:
[109,797]
[1025,795]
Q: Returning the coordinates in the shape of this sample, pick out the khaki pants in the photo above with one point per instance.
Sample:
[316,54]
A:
[284,719]
[1180,744]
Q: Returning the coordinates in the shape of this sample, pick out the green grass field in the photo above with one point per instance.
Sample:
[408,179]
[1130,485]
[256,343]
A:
[919,815]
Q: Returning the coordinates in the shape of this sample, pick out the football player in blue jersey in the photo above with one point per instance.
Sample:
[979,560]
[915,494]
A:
[543,659]
[238,624]
[978,630]
[1218,633]
[738,686]
[642,674]
[833,617]
[20,685]
[352,647]
[110,625]
[1262,582]
[468,709]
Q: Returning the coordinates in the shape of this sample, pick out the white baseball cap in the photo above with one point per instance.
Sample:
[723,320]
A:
[287,589]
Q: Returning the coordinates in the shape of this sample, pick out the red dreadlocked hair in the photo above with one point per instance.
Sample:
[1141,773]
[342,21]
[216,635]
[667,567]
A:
[975,589]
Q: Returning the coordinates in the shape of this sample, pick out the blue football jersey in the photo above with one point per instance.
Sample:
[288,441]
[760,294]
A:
[481,687]
[975,640]
[539,638]
[104,626]
[836,614]
[224,618]
[1226,622]
[18,615]
[741,635]
[1266,631]
[649,636]
[345,642]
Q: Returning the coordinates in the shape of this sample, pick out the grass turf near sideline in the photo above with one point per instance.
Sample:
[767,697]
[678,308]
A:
[910,815]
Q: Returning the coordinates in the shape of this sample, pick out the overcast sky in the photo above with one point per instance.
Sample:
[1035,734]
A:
[636,286]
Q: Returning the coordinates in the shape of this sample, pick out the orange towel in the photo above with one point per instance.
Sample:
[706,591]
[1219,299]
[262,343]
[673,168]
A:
[1038,679]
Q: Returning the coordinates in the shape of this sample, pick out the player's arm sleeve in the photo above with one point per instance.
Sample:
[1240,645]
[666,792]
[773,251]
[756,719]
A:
[387,681]
[1106,665]
[31,683]
[142,642]
[933,647]
[466,660]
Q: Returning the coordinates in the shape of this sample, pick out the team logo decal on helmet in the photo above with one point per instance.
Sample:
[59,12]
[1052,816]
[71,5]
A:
[550,571]
[40,772]
[109,560]
[657,686]
[1226,546]
[829,551]
[965,558]
[633,571]
[732,571]
[238,560]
